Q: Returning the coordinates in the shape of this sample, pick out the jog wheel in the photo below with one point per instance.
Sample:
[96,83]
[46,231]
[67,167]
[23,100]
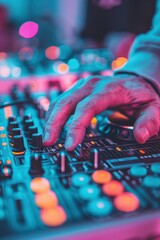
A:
[116,125]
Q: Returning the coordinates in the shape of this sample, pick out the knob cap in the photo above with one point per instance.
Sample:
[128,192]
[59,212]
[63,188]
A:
[28,123]
[36,164]
[18,144]
[36,143]
[11,126]
[31,131]
[10,119]
[15,132]
[26,117]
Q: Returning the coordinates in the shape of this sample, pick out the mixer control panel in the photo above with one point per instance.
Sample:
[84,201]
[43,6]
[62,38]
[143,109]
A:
[107,183]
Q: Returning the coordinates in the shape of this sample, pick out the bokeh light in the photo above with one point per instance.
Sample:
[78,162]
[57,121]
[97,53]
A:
[16,72]
[73,64]
[28,29]
[61,67]
[3,56]
[5,71]
[26,53]
[52,52]
[119,63]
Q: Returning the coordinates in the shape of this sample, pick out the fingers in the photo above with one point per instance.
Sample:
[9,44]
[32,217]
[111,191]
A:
[147,123]
[84,113]
[59,113]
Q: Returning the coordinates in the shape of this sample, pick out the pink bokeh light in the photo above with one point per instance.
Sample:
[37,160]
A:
[28,29]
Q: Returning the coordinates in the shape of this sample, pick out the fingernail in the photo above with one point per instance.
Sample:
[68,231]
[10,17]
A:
[143,133]
[69,142]
[46,137]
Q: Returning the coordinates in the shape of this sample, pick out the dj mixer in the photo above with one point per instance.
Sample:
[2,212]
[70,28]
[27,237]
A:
[107,188]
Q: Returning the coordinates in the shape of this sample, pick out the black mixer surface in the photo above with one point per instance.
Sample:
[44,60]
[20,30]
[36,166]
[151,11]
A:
[107,188]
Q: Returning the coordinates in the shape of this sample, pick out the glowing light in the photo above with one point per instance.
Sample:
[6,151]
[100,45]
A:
[127,202]
[53,216]
[8,162]
[61,67]
[8,112]
[73,64]
[52,52]
[101,176]
[94,120]
[99,207]
[113,188]
[5,71]
[40,185]
[44,102]
[28,29]
[46,200]
[80,179]
[4,144]
[3,55]
[16,72]
[26,53]
[119,63]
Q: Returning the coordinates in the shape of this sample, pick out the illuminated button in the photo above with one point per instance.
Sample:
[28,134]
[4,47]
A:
[60,145]
[89,192]
[3,135]
[118,149]
[8,161]
[46,199]
[80,179]
[1,128]
[40,185]
[152,181]
[113,188]
[92,142]
[101,176]
[142,151]
[155,168]
[126,202]
[138,171]
[94,120]
[7,171]
[4,144]
[90,135]
[99,207]
[53,217]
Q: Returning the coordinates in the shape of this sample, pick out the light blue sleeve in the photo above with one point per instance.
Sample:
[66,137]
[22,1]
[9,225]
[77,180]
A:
[144,57]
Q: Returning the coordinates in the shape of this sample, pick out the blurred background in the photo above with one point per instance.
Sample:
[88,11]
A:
[60,36]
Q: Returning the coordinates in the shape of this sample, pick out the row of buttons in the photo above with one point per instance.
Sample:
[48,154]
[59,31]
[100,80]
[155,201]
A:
[98,205]
[51,213]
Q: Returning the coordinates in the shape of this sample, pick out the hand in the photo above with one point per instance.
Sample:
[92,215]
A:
[130,94]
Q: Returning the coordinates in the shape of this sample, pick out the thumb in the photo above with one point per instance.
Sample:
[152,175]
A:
[147,123]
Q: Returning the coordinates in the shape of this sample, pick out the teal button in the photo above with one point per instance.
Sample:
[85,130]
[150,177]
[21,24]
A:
[138,171]
[80,179]
[155,168]
[89,192]
[100,207]
[152,182]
